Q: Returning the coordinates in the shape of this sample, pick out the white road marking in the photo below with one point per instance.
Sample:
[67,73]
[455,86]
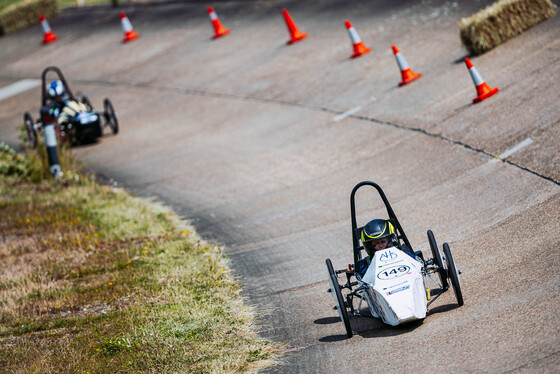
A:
[510,151]
[18,87]
[347,113]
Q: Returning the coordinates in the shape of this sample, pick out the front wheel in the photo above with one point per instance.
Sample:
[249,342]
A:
[453,273]
[338,299]
[437,260]
[111,116]
[30,130]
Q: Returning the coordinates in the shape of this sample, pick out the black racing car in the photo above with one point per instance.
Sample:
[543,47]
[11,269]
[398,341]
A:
[82,125]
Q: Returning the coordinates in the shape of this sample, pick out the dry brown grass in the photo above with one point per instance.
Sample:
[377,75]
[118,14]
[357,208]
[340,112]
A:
[501,21]
[94,280]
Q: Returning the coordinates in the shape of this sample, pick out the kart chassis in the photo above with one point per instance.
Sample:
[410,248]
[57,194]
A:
[438,270]
[95,130]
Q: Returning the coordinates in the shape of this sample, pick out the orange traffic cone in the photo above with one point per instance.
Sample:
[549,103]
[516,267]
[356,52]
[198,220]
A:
[219,29]
[129,33]
[408,75]
[359,47]
[49,36]
[292,28]
[482,89]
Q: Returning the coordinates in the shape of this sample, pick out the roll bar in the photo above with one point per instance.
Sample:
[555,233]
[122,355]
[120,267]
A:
[356,230]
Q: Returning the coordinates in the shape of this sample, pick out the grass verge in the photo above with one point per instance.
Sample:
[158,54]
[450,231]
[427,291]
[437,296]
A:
[16,15]
[95,280]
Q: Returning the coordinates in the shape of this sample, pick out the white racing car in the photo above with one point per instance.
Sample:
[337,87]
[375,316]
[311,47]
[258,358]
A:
[396,287]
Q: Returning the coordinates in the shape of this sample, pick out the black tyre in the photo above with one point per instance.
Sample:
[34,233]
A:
[30,129]
[453,273]
[111,116]
[86,101]
[339,300]
[437,260]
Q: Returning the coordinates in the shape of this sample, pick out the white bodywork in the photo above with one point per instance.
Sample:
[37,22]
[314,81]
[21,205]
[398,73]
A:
[397,287]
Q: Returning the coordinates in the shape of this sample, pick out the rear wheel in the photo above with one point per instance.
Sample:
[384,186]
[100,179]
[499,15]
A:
[453,273]
[339,300]
[437,260]
[111,116]
[30,130]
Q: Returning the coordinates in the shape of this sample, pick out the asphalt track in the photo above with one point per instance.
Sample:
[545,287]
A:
[259,144]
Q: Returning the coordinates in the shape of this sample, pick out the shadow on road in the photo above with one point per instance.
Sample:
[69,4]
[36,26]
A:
[367,326]
[391,89]
[461,60]
[373,328]
[326,320]
[443,308]
[333,338]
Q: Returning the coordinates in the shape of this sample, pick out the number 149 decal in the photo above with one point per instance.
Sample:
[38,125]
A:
[393,272]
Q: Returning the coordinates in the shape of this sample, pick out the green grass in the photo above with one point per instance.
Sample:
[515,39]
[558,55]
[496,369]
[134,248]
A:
[70,3]
[61,3]
[95,280]
[5,3]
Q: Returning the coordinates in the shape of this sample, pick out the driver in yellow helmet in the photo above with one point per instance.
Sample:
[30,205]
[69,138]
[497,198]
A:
[379,234]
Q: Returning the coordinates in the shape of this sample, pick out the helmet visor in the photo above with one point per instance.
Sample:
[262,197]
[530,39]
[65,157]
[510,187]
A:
[375,245]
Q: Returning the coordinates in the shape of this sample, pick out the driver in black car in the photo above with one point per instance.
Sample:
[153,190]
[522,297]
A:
[379,234]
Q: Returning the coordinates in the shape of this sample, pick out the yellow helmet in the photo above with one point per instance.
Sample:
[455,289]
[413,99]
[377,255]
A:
[374,230]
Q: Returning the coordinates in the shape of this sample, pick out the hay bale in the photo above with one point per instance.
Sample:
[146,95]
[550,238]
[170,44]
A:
[501,21]
[24,14]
